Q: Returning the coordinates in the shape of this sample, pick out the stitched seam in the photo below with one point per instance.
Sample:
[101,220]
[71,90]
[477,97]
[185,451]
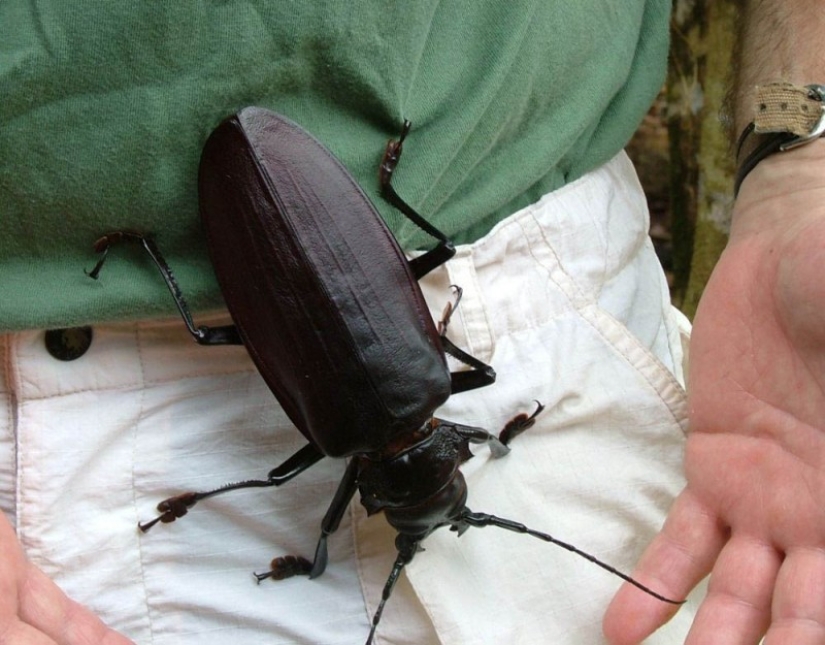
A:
[135,432]
[490,239]
[585,308]
[359,569]
[146,383]
[676,405]
[10,378]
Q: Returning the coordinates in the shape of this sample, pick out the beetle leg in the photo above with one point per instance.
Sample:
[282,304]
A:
[481,375]
[334,515]
[224,335]
[288,566]
[435,257]
[479,435]
[449,308]
[174,507]
[445,249]
[519,424]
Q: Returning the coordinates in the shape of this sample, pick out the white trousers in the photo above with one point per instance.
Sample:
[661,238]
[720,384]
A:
[568,303]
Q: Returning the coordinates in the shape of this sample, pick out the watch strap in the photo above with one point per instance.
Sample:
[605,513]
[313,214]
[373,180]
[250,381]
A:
[785,116]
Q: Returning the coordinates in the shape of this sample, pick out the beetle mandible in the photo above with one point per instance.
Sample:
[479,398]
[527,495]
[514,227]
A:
[330,311]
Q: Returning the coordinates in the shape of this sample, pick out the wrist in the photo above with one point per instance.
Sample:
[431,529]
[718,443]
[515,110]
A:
[782,192]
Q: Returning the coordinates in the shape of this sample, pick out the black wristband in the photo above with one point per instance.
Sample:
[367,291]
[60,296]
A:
[753,148]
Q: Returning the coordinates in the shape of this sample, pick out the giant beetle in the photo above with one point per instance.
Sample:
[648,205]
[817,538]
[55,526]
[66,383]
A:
[330,311]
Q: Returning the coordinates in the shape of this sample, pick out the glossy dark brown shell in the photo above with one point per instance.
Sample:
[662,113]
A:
[321,293]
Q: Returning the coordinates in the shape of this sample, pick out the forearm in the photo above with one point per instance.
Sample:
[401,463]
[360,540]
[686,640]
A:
[780,40]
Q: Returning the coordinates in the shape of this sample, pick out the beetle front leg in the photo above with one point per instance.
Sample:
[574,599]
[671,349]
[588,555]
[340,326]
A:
[445,249]
[175,507]
[288,566]
[479,435]
[499,445]
[519,424]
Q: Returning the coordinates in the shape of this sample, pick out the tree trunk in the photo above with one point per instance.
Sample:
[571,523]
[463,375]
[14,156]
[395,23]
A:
[701,159]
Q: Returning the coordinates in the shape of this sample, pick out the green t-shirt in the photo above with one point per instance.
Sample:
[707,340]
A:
[104,107]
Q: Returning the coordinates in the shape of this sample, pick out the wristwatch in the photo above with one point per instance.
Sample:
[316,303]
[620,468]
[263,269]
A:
[785,117]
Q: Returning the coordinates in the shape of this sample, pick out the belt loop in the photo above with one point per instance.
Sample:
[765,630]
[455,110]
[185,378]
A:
[472,310]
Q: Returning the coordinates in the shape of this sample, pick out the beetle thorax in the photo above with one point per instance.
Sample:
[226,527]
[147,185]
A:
[420,487]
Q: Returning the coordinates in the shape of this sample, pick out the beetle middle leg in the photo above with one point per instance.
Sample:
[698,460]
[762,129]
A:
[482,374]
[287,566]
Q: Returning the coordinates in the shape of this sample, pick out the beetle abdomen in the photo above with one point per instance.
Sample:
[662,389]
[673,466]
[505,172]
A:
[350,350]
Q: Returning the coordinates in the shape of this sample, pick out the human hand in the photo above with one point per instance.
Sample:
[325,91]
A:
[34,611]
[752,511]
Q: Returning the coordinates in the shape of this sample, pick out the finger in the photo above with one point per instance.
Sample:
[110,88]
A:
[19,633]
[11,564]
[799,600]
[45,607]
[674,563]
[737,608]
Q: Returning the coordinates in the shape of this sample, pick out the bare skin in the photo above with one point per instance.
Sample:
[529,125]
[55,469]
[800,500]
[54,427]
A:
[751,514]
[34,611]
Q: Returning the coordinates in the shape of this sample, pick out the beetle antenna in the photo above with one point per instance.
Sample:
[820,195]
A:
[407,548]
[484,519]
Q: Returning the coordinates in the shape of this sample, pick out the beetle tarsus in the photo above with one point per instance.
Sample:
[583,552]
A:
[519,424]
[319,564]
[104,242]
[392,154]
[287,566]
[172,508]
[94,273]
[145,526]
[449,308]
